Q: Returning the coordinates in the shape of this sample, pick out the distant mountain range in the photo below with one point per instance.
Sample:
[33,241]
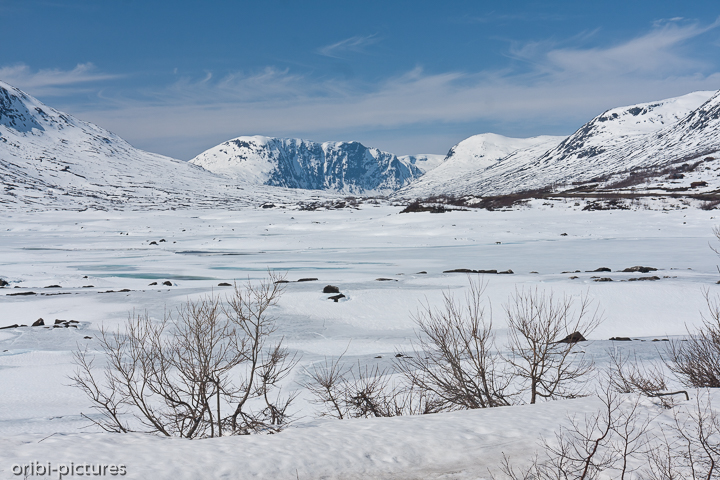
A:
[647,136]
[51,159]
[345,167]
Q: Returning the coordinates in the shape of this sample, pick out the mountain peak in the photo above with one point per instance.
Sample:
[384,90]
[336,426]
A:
[347,167]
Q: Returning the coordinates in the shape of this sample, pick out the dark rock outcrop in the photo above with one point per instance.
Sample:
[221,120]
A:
[573,338]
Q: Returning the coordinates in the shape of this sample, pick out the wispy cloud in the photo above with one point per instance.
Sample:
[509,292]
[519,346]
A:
[50,82]
[353,44]
[555,84]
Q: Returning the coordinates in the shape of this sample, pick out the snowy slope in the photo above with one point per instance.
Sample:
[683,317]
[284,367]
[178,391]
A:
[51,159]
[642,136]
[424,162]
[466,162]
[347,167]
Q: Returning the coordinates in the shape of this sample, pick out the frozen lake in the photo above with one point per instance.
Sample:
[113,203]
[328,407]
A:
[93,255]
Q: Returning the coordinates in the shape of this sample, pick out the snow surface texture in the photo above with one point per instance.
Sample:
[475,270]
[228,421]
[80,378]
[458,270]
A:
[51,159]
[647,135]
[350,249]
[347,167]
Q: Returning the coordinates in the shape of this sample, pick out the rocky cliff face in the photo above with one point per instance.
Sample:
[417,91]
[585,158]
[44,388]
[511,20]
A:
[347,167]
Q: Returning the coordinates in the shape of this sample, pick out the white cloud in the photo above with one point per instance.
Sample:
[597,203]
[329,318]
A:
[352,44]
[49,82]
[555,85]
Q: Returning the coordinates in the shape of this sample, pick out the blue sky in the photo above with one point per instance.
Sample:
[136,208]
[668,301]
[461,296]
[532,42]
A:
[178,77]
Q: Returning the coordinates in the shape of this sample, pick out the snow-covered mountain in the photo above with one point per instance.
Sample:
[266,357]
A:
[466,162]
[642,136]
[347,167]
[51,159]
[424,162]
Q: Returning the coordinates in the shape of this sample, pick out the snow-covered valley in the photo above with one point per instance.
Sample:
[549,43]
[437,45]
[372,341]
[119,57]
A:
[94,230]
[94,256]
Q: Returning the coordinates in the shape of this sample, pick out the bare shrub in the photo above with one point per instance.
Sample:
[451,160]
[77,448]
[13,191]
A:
[691,447]
[613,440]
[210,370]
[363,392]
[455,360]
[696,359]
[536,323]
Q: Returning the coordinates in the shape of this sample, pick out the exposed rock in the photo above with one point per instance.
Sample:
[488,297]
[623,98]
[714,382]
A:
[22,293]
[335,298]
[224,284]
[603,279]
[88,286]
[467,270]
[162,240]
[167,283]
[38,323]
[640,269]
[153,243]
[331,289]
[574,277]
[126,290]
[87,338]
[419,273]
[639,279]
[621,339]
[698,184]
[282,281]
[307,280]
[563,234]
[601,269]
[10,326]
[506,272]
[573,338]
[386,280]
[3,283]
[53,286]
[152,284]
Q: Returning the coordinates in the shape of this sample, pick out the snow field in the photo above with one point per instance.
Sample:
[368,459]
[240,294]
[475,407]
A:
[349,249]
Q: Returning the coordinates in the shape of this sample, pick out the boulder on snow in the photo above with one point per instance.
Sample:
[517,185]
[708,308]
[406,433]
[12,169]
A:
[601,269]
[335,298]
[38,323]
[621,339]
[573,338]
[307,279]
[167,283]
[331,289]
[640,269]
[3,283]
[224,284]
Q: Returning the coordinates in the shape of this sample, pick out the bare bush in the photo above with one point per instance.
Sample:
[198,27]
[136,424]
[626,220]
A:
[537,322]
[363,392]
[690,449]
[210,370]
[612,441]
[696,359]
[455,359]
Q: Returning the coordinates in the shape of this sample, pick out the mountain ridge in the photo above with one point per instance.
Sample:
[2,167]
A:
[346,167]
